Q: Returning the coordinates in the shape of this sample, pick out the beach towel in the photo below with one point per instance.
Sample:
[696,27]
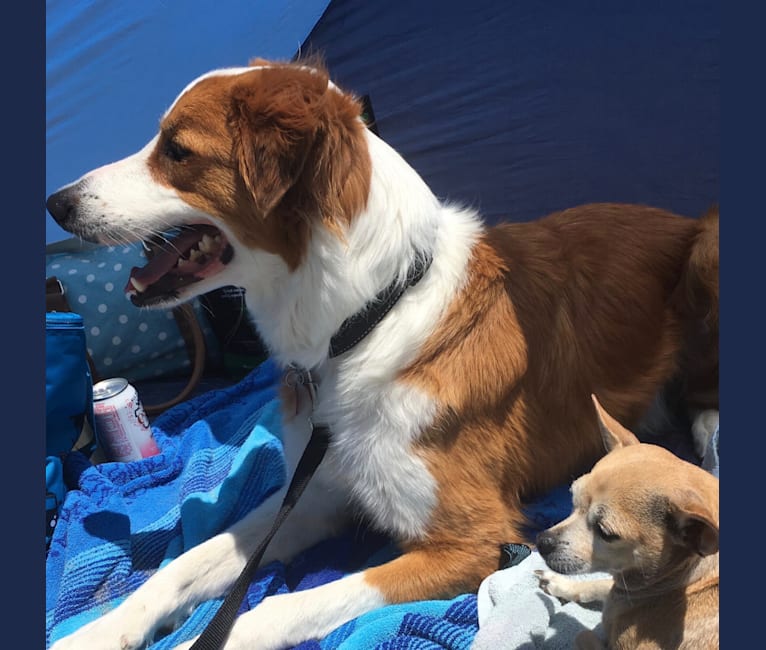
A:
[220,457]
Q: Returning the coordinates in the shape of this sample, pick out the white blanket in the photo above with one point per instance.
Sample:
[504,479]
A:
[515,613]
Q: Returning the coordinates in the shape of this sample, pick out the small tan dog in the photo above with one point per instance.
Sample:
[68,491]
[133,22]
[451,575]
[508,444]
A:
[650,520]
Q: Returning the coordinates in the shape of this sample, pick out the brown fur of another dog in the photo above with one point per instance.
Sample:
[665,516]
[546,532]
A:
[651,520]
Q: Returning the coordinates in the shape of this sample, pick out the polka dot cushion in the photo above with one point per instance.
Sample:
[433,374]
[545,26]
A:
[123,340]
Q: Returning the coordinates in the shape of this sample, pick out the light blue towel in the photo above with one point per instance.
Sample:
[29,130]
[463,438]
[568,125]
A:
[220,456]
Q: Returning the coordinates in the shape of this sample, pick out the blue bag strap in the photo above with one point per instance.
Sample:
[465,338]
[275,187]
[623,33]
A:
[55,490]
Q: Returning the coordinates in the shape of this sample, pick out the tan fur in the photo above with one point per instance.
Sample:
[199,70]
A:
[664,558]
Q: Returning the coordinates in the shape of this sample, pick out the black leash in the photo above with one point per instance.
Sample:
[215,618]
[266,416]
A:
[216,632]
[353,330]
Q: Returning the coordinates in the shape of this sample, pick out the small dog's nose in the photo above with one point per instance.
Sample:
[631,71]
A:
[545,543]
[62,205]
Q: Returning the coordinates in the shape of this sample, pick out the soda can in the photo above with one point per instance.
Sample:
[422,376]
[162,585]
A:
[122,428]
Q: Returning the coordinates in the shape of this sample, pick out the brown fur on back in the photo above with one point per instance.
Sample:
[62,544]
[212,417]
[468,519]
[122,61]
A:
[577,303]
[697,300]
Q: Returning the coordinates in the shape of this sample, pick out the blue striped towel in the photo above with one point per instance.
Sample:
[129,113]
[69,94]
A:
[221,456]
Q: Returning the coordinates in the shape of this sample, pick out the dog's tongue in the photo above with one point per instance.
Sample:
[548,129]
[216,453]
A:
[164,260]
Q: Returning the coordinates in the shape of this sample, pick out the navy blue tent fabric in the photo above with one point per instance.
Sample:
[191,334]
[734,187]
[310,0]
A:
[523,108]
[516,108]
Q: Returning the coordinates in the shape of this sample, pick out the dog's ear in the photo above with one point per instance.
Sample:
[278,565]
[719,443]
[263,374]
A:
[694,523]
[275,117]
[612,432]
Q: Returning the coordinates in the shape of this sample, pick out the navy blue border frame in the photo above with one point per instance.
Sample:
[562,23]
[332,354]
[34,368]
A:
[23,362]
[742,243]
[743,215]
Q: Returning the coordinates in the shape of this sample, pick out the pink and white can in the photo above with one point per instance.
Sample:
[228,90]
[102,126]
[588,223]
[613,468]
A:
[122,428]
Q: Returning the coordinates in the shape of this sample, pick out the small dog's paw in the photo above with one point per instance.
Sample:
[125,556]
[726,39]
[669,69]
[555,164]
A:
[543,578]
[556,585]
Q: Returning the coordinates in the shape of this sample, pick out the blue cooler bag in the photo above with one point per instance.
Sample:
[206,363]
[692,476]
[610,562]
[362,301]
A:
[68,382]
[68,403]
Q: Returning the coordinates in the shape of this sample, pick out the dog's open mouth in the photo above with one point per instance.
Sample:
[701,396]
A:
[195,253]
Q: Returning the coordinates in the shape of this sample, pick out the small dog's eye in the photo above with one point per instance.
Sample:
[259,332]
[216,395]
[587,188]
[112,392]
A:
[175,151]
[604,534]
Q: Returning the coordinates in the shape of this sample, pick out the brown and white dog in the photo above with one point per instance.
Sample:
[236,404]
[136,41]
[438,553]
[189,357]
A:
[470,395]
[651,520]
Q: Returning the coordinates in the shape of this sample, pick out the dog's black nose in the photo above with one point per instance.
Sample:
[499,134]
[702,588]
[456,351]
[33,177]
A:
[545,543]
[62,206]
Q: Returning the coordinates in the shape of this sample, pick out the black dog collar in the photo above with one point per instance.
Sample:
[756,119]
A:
[356,327]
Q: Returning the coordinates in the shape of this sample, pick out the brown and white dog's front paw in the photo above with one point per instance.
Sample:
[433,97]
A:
[130,626]
[100,635]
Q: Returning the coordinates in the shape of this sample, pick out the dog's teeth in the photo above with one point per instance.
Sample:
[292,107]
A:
[206,244]
[138,286]
[194,255]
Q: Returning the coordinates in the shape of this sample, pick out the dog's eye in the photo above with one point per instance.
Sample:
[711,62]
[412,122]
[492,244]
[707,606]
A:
[604,534]
[175,151]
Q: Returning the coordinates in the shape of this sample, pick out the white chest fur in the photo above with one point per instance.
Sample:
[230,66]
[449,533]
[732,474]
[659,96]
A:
[372,455]
[375,418]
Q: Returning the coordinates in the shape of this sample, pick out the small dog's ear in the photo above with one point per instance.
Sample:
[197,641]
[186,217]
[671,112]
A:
[612,432]
[694,523]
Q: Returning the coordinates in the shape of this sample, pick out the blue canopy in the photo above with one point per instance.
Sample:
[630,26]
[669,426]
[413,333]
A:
[113,67]
[517,108]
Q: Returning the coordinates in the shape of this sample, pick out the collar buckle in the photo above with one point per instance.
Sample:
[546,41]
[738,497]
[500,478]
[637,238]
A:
[296,378]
